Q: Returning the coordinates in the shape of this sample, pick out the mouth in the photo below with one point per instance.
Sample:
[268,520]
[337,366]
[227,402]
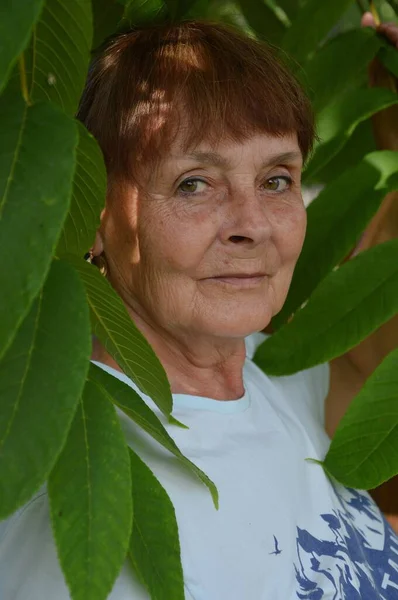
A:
[242,280]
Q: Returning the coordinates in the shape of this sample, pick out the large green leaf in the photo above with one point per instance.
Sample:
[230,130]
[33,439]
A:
[337,122]
[359,144]
[262,20]
[346,307]
[134,407]
[364,449]
[154,546]
[389,57]
[311,25]
[145,12]
[107,15]
[17,18]
[197,9]
[36,171]
[90,498]
[291,7]
[41,378]
[89,188]
[336,219]
[125,343]
[60,53]
[340,65]
[180,8]
[393,9]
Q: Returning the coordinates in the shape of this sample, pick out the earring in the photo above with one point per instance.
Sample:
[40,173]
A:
[99,261]
[101,264]
[89,256]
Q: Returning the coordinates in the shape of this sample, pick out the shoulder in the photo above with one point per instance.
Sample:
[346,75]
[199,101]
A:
[305,389]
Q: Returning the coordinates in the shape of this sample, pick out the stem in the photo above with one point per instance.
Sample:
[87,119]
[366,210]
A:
[24,82]
[374,12]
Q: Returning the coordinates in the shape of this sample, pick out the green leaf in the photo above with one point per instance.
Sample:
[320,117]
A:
[197,9]
[89,189]
[41,378]
[346,307]
[180,8]
[311,25]
[125,343]
[154,545]
[291,7]
[262,20]
[134,407]
[393,12]
[60,53]
[36,171]
[336,219]
[140,13]
[107,16]
[340,65]
[337,122]
[90,498]
[392,182]
[16,22]
[364,449]
[388,55]
[359,144]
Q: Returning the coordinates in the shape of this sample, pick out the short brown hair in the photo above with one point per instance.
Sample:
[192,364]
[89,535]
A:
[143,84]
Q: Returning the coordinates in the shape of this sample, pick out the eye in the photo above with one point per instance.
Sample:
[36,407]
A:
[278,184]
[192,185]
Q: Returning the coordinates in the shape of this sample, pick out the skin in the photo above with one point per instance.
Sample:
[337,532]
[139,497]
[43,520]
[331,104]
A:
[203,254]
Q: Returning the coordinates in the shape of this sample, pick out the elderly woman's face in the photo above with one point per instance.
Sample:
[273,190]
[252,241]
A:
[210,247]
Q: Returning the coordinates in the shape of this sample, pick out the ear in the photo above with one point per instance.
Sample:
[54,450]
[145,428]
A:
[98,246]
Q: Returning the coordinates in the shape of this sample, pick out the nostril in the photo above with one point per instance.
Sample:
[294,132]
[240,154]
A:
[237,239]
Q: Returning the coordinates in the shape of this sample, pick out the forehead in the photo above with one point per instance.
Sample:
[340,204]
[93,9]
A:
[228,153]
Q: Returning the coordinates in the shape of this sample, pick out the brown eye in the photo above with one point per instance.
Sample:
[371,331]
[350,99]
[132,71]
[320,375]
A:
[278,184]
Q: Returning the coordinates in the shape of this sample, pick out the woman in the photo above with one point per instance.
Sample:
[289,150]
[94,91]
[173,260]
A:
[204,134]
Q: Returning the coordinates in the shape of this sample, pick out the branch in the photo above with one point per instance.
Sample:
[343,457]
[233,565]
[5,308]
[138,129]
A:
[374,12]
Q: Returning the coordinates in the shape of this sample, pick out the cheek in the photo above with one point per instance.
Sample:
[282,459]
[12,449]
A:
[290,233]
[176,240]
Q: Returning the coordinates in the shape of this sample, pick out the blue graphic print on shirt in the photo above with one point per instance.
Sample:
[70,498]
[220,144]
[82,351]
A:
[358,561]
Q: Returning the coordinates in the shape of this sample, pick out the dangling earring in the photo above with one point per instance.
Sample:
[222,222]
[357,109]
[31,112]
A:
[99,261]
[89,256]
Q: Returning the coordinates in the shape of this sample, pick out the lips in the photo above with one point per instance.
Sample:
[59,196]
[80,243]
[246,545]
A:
[239,280]
[239,275]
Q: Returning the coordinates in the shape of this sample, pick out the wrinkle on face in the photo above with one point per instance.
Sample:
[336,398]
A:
[166,250]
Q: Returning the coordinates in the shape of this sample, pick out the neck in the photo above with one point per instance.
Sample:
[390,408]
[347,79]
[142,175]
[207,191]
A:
[199,366]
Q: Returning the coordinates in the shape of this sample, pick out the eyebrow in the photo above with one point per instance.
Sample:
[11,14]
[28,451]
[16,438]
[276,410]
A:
[215,159]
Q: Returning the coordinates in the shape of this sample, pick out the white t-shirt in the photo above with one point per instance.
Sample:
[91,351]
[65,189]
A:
[283,530]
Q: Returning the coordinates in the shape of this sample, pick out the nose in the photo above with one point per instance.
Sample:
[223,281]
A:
[248,219]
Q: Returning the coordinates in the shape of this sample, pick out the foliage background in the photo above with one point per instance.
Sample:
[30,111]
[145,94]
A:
[58,419]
